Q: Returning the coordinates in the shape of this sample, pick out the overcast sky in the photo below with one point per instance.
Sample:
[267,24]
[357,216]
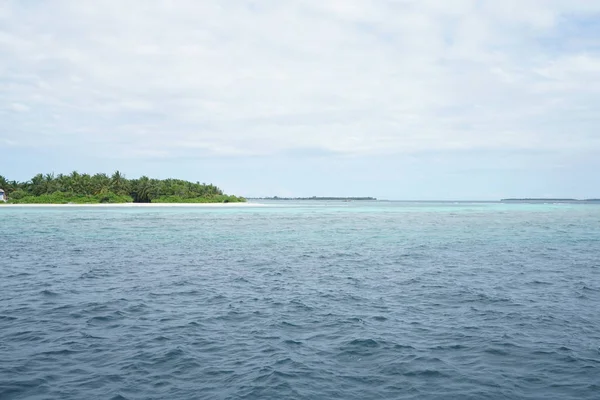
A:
[423,99]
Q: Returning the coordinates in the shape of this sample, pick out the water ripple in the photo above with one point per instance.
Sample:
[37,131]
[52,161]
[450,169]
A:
[417,301]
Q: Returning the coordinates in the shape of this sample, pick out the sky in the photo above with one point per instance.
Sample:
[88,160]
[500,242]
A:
[404,99]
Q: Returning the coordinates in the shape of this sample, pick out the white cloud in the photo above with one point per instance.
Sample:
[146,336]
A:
[18,107]
[159,78]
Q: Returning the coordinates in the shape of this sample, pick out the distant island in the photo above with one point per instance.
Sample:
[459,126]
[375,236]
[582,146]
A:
[546,200]
[79,188]
[317,198]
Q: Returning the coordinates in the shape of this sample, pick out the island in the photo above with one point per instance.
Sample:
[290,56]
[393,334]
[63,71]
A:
[76,188]
[548,200]
[317,198]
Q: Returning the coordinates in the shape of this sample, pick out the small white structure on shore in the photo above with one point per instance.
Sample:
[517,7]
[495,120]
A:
[2,195]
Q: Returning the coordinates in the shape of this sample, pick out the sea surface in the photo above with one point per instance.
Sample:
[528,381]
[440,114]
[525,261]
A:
[305,300]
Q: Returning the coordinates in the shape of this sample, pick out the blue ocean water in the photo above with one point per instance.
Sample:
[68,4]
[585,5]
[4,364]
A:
[374,300]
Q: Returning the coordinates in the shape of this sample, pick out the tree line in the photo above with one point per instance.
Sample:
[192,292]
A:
[102,188]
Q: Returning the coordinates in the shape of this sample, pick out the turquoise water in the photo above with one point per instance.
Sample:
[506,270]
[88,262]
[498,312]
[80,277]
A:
[376,300]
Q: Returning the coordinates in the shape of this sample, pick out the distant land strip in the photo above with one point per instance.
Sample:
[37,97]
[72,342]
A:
[314,198]
[559,200]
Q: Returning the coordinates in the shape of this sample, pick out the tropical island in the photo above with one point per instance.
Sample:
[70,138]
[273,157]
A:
[77,188]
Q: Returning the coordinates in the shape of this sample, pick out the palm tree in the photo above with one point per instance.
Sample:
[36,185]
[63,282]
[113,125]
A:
[100,184]
[118,183]
[37,185]
[142,190]
[74,182]
[49,183]
[3,183]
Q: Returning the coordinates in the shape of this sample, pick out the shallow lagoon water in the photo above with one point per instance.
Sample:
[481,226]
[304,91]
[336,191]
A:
[373,300]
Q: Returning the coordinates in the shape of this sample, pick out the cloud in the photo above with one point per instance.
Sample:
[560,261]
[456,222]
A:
[243,78]
[17,107]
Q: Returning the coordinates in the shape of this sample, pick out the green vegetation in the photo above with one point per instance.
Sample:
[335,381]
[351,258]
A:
[100,188]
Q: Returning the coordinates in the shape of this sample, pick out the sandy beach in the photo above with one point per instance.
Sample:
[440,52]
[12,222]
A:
[142,205]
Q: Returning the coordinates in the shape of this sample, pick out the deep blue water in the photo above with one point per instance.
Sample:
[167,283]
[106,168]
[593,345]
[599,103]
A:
[301,301]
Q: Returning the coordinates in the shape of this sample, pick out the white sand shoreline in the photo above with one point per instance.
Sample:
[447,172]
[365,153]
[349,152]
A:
[141,205]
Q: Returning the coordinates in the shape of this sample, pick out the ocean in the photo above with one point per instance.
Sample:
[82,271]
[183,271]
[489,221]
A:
[301,300]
